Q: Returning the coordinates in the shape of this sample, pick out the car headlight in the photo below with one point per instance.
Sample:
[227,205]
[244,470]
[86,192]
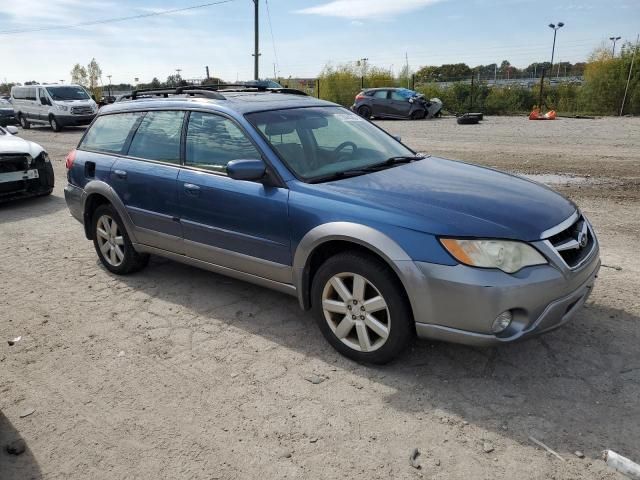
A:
[508,256]
[64,108]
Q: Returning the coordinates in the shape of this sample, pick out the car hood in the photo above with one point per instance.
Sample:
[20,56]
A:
[13,144]
[446,197]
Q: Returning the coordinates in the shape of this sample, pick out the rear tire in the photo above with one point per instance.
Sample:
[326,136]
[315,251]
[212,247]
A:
[24,123]
[364,111]
[361,308]
[55,125]
[112,242]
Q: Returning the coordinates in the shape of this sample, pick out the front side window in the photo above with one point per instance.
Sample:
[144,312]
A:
[158,137]
[67,93]
[213,141]
[320,141]
[109,133]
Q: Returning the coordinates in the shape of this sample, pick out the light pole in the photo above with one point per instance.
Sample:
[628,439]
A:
[553,49]
[109,77]
[613,48]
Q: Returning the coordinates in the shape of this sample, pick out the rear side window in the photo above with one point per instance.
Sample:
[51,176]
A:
[213,141]
[380,94]
[158,137]
[109,133]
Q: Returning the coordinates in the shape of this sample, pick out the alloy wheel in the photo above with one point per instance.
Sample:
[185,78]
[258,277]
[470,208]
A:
[356,312]
[110,240]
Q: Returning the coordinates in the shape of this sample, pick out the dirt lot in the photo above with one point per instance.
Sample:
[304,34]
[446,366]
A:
[179,373]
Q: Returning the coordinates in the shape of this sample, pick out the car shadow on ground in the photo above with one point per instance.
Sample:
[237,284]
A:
[576,388]
[15,467]
[23,208]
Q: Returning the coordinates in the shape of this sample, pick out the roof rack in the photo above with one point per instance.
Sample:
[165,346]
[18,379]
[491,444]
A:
[209,91]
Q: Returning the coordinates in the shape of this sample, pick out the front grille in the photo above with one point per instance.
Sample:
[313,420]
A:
[14,163]
[81,110]
[575,243]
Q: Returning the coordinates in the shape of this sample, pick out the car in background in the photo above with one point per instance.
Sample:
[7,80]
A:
[56,105]
[395,103]
[262,84]
[306,197]
[7,115]
[25,168]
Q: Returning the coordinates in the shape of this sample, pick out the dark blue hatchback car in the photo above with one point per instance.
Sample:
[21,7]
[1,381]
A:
[306,197]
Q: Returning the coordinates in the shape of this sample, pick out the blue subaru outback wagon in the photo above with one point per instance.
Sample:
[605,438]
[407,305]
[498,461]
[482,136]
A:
[305,197]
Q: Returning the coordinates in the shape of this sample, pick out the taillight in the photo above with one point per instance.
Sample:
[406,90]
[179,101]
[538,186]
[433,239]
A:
[70,158]
[360,97]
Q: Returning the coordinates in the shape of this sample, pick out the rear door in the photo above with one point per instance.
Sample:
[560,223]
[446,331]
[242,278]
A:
[145,179]
[237,224]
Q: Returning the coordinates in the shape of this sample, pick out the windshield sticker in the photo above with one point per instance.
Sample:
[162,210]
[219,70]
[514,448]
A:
[347,117]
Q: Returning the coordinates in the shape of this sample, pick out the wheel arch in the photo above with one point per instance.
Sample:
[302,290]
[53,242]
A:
[97,193]
[331,238]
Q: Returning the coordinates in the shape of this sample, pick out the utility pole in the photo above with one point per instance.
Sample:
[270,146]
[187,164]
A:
[109,77]
[495,73]
[613,49]
[406,59]
[256,52]
[207,70]
[633,59]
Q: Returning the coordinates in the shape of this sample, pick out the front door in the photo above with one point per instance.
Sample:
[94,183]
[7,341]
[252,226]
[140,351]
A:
[379,103]
[399,105]
[236,224]
[146,179]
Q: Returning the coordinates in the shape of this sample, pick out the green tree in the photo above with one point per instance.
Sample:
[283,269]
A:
[79,75]
[94,74]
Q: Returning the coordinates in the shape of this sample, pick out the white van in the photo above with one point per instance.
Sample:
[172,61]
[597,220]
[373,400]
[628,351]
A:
[57,105]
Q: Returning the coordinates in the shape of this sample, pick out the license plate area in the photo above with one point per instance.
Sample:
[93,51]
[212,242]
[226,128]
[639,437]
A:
[17,176]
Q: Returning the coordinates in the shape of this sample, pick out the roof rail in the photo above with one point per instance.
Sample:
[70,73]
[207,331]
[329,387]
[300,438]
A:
[165,92]
[239,87]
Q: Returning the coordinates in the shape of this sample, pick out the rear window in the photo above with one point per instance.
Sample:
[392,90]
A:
[158,137]
[109,133]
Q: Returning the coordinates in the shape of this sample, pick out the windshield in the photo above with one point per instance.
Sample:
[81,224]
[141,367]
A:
[67,93]
[320,141]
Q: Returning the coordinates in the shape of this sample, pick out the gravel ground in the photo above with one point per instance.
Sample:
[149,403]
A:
[180,373]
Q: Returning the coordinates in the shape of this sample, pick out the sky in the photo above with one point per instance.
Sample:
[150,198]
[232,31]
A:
[297,37]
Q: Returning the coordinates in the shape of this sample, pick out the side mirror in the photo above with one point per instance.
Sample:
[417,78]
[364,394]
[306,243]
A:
[411,100]
[246,169]
[12,130]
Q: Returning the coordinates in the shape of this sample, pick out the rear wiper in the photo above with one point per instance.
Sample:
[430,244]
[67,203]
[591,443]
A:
[353,172]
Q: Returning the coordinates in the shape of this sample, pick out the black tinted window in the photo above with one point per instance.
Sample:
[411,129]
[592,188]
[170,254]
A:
[109,132]
[213,141]
[158,137]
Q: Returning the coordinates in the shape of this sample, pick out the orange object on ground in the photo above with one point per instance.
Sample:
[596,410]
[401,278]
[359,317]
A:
[536,115]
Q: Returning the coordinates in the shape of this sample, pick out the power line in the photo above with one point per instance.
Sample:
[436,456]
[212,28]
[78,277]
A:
[273,41]
[113,20]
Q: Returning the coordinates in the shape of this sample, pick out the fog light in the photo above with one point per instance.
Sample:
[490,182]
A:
[502,321]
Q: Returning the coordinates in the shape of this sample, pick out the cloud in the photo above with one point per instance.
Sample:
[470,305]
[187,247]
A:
[366,8]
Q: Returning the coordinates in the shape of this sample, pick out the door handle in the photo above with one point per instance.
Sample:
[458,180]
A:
[191,189]
[120,174]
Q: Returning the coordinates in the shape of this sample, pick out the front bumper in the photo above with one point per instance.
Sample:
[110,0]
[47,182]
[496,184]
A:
[74,120]
[460,303]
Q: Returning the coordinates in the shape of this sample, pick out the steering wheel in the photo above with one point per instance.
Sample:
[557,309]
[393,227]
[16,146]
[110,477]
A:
[342,146]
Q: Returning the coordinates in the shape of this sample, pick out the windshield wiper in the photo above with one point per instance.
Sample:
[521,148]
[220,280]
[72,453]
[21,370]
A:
[376,167]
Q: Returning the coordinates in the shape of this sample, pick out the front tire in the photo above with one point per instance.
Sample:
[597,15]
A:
[112,243]
[361,308]
[418,115]
[55,124]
